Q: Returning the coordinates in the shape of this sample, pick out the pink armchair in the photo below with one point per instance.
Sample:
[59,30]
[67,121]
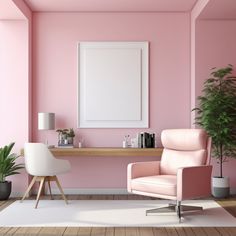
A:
[184,171]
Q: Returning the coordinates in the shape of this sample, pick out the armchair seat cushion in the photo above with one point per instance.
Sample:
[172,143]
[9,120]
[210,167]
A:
[159,184]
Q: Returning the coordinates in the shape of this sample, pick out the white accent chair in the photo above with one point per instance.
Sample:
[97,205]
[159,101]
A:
[43,166]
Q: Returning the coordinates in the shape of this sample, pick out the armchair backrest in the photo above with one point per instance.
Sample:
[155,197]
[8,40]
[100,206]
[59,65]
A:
[183,148]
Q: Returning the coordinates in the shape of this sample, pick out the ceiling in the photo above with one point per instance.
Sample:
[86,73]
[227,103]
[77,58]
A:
[8,10]
[111,5]
[215,9]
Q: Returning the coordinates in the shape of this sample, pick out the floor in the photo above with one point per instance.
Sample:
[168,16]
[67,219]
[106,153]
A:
[229,204]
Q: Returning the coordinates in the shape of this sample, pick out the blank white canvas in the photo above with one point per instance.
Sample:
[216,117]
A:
[113,84]
[122,76]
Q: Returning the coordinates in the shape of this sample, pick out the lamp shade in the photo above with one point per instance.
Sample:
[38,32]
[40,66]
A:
[46,121]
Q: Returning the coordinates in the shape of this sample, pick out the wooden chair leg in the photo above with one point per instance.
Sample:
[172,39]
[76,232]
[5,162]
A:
[29,188]
[40,190]
[50,190]
[60,188]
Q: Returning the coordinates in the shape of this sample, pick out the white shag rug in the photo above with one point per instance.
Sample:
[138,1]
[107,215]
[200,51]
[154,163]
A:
[110,213]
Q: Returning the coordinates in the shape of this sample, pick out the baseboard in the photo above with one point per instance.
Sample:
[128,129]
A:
[232,191]
[16,194]
[80,191]
[98,191]
[90,191]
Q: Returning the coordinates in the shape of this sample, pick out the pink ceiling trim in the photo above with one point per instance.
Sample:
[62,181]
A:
[111,5]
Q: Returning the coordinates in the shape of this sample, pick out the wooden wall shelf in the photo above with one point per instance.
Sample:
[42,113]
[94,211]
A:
[104,152]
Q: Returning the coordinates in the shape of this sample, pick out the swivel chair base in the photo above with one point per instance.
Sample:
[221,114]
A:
[178,208]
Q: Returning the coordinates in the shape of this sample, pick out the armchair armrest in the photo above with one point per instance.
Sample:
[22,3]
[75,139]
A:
[193,182]
[141,169]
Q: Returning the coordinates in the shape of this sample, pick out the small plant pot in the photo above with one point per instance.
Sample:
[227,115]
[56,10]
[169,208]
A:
[220,187]
[70,140]
[5,190]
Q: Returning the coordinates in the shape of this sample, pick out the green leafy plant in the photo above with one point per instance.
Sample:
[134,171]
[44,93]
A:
[217,113]
[62,131]
[67,132]
[71,133]
[8,164]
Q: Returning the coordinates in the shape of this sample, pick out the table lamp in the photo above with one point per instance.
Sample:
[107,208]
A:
[46,121]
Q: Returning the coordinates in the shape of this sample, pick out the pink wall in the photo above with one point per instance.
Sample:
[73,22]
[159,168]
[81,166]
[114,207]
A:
[55,41]
[21,5]
[13,47]
[15,75]
[215,47]
[198,8]
[14,88]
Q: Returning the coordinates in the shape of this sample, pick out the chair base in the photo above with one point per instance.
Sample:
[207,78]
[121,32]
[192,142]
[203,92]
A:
[178,208]
[42,180]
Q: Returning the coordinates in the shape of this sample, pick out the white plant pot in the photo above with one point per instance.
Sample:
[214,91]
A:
[220,187]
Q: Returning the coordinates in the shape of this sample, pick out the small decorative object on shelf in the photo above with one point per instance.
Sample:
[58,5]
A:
[81,143]
[66,137]
[126,141]
[146,140]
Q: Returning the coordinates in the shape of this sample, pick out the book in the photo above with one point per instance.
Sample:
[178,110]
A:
[146,140]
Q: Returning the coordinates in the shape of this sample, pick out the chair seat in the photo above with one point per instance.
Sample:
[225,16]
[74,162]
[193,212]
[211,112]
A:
[59,168]
[158,184]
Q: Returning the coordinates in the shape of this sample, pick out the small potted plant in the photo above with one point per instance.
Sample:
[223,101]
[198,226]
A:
[62,136]
[8,167]
[70,136]
[217,115]
[65,136]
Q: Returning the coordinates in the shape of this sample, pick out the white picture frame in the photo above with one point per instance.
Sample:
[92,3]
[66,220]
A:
[113,86]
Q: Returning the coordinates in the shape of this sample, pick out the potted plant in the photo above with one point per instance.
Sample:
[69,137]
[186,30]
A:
[217,115]
[62,136]
[8,167]
[70,136]
[65,136]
